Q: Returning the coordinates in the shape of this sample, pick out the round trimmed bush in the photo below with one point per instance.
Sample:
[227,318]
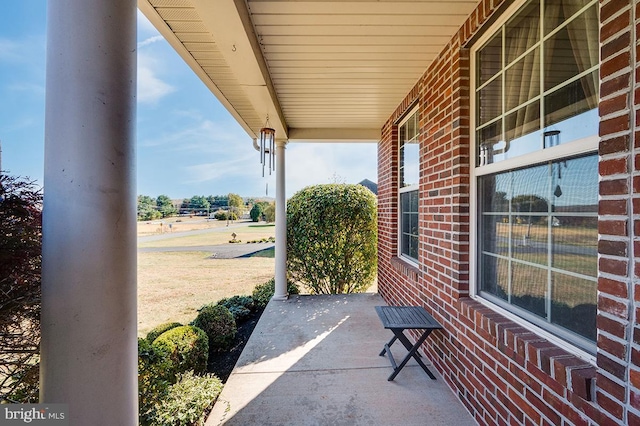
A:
[219,325]
[332,238]
[262,293]
[239,306]
[159,329]
[187,346]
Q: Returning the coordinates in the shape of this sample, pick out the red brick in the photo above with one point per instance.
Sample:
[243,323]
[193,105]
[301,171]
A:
[614,187]
[614,166]
[612,248]
[613,287]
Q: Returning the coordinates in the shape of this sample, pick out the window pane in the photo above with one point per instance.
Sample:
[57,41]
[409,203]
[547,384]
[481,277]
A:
[523,133]
[575,244]
[575,185]
[495,235]
[572,109]
[490,59]
[530,240]
[490,102]
[409,224]
[410,171]
[489,141]
[556,12]
[572,50]
[522,80]
[522,31]
[495,276]
[529,288]
[574,304]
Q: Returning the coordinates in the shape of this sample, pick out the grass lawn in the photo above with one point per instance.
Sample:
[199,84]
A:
[173,285]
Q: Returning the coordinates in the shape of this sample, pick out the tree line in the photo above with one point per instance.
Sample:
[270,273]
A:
[230,206]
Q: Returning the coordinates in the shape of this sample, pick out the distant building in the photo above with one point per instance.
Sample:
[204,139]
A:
[372,186]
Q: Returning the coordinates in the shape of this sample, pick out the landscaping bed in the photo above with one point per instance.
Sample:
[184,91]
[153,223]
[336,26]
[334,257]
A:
[221,363]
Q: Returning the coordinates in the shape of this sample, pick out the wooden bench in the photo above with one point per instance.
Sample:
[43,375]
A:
[401,318]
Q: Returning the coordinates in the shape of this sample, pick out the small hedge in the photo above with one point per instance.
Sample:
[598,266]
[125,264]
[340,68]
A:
[188,401]
[262,293]
[158,330]
[187,346]
[239,306]
[155,375]
[219,325]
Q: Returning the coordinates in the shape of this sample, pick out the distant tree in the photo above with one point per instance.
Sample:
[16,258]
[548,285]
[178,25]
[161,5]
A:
[270,213]
[20,272]
[147,208]
[199,204]
[217,201]
[165,206]
[332,238]
[235,201]
[256,212]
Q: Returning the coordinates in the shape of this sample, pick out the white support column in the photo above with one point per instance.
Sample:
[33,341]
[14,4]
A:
[281,224]
[89,345]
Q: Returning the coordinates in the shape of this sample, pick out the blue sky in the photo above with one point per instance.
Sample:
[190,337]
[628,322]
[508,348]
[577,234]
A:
[187,143]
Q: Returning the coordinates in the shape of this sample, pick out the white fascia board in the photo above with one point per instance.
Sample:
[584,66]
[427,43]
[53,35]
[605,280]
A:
[230,24]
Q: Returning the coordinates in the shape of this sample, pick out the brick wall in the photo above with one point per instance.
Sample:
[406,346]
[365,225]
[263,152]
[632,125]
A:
[501,371]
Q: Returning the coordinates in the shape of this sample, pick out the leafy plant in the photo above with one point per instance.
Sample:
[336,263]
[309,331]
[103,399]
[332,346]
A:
[262,293]
[155,375]
[159,329]
[187,346]
[188,401]
[332,238]
[219,325]
[20,272]
[239,306]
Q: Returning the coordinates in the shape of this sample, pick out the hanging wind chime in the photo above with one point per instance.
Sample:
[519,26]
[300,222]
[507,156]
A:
[267,147]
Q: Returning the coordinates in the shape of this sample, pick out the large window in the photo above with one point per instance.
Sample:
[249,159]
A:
[536,126]
[409,157]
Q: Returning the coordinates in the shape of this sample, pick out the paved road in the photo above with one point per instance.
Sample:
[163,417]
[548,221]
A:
[167,235]
[222,251]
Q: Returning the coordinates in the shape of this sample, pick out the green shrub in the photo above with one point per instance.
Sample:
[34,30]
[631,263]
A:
[187,346]
[262,293]
[188,400]
[239,306]
[155,374]
[220,215]
[332,238]
[219,325]
[158,330]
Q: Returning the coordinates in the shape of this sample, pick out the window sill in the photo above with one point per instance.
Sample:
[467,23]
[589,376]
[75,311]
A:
[405,267]
[529,351]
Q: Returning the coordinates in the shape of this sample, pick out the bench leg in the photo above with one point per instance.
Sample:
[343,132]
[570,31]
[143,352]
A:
[413,352]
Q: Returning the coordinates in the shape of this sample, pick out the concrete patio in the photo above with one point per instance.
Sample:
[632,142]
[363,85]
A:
[313,360]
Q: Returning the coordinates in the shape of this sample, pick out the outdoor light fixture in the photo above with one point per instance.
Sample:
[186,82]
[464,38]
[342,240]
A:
[267,147]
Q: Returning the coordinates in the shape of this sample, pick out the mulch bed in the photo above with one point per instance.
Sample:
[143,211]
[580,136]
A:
[221,363]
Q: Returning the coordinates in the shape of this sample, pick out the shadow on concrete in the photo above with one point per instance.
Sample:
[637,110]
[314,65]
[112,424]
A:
[313,360]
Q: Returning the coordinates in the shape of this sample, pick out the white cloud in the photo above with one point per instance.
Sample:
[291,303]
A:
[150,40]
[150,87]
[227,168]
[312,164]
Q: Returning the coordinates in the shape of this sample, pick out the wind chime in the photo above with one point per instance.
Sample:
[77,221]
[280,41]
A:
[267,148]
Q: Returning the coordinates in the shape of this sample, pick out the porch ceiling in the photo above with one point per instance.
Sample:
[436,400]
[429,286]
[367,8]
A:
[321,70]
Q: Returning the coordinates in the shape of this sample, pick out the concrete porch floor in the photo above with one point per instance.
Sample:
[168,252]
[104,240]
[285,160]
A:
[313,360]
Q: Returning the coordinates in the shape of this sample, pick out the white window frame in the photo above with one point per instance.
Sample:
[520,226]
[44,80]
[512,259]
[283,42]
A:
[574,148]
[415,187]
